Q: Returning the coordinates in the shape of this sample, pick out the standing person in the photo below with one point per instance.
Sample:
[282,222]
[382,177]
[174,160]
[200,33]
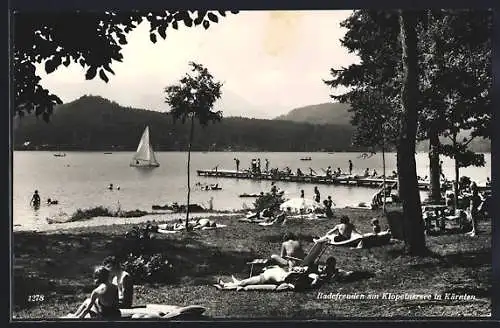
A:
[329,172]
[267,165]
[253,165]
[441,170]
[302,194]
[475,202]
[258,165]
[330,201]
[350,167]
[35,200]
[274,189]
[237,164]
[122,280]
[317,196]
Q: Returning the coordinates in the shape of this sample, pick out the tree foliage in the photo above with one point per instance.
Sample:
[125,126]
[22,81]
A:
[195,96]
[454,75]
[457,79]
[374,83]
[92,40]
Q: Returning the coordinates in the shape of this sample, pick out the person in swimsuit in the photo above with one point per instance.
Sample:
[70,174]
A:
[103,301]
[35,200]
[376,226]
[299,277]
[341,231]
[122,280]
[290,247]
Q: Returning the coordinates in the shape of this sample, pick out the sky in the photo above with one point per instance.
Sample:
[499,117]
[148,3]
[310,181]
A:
[269,61]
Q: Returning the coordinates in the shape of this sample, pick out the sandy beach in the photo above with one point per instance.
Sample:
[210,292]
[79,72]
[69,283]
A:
[109,221]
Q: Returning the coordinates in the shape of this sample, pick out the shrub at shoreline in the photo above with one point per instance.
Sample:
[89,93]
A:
[87,214]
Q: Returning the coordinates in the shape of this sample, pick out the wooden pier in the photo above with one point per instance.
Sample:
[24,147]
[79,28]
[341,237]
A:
[347,180]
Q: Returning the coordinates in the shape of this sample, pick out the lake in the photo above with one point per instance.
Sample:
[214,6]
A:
[80,179]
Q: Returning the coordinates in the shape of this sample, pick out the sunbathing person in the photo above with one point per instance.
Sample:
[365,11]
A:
[122,280]
[290,247]
[103,302]
[341,231]
[263,215]
[298,277]
[204,222]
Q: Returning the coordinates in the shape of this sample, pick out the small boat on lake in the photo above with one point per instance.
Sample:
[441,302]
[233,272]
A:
[250,195]
[144,156]
[60,155]
[306,159]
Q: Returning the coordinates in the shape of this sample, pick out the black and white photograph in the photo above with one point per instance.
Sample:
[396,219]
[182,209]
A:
[186,165]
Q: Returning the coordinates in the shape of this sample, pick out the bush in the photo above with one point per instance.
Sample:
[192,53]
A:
[139,239]
[87,214]
[132,214]
[270,201]
[149,268]
[90,213]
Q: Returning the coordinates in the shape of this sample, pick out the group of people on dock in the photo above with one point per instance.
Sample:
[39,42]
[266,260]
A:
[255,165]
[256,168]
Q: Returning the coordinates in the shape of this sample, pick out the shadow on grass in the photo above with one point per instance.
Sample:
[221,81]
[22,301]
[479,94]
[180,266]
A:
[471,259]
[63,263]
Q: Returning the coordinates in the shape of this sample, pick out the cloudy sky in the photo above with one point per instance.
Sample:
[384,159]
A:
[270,62]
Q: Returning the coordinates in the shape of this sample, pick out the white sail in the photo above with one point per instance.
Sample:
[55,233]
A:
[144,155]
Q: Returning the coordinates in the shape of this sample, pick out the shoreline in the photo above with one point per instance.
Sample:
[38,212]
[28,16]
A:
[110,221]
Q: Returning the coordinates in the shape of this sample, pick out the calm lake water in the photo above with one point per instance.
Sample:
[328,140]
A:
[80,179]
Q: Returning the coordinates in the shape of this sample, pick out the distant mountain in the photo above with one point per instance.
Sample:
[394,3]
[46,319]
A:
[338,113]
[326,113]
[231,104]
[95,123]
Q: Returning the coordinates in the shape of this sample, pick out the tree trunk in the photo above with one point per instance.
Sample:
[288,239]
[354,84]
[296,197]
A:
[191,133]
[457,175]
[407,173]
[434,144]
[383,172]
[434,171]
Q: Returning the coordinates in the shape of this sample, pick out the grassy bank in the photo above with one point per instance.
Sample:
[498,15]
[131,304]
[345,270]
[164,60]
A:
[58,265]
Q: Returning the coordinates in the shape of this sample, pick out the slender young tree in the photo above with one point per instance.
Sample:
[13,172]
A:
[193,98]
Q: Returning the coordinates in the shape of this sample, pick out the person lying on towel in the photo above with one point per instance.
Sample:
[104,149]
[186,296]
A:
[122,280]
[341,231]
[299,278]
[204,222]
[290,247]
[103,301]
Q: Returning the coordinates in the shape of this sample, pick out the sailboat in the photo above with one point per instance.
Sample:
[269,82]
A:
[144,155]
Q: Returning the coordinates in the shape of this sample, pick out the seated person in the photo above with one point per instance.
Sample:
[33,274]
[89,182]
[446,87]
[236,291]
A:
[290,247]
[328,208]
[376,226]
[122,280]
[103,301]
[341,231]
